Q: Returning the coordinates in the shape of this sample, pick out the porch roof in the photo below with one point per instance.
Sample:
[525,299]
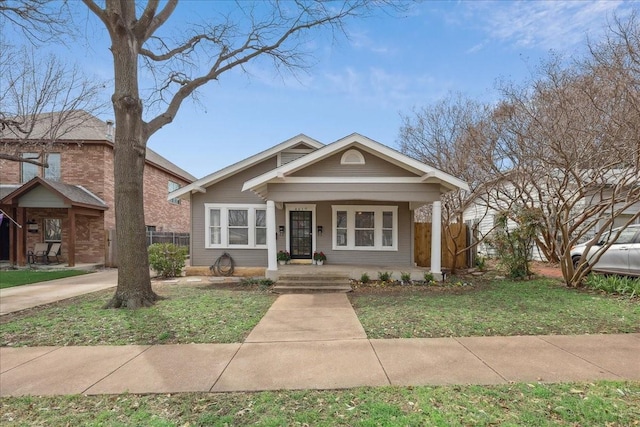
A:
[64,195]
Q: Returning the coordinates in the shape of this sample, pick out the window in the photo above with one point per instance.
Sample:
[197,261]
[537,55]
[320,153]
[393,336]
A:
[341,228]
[53,171]
[52,230]
[173,186]
[365,227]
[237,226]
[29,170]
[261,227]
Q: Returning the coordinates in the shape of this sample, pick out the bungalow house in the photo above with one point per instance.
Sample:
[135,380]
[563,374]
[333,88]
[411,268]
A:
[352,199]
[71,201]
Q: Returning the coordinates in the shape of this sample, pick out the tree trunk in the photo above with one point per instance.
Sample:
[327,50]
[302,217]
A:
[134,283]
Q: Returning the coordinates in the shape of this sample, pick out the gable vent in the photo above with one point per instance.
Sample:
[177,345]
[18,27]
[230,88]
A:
[352,157]
[289,156]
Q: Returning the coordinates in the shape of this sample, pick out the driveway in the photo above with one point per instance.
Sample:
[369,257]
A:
[28,296]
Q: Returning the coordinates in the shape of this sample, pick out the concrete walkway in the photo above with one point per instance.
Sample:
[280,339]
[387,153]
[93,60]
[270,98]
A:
[315,341]
[27,296]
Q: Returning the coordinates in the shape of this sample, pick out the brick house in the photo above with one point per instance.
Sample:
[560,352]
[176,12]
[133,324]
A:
[72,201]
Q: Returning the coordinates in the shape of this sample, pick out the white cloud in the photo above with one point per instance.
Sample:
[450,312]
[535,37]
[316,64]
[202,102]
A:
[363,41]
[376,87]
[559,25]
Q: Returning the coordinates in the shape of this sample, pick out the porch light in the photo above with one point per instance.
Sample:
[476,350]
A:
[281,230]
[319,229]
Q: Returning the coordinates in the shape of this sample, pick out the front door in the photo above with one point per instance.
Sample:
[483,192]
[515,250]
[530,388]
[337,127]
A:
[300,235]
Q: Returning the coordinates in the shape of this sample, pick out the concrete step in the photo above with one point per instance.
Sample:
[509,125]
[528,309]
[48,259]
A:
[296,283]
[314,277]
[308,289]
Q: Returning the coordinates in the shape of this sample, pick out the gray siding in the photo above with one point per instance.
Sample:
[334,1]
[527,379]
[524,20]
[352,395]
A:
[227,191]
[403,256]
[374,166]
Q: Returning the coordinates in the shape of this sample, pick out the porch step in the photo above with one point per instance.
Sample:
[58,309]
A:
[311,283]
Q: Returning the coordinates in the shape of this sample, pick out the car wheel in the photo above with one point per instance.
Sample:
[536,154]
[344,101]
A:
[576,262]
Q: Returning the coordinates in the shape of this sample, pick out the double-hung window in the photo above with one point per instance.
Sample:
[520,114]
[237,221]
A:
[235,226]
[365,228]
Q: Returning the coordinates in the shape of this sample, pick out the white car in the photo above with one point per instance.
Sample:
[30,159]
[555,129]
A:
[622,257]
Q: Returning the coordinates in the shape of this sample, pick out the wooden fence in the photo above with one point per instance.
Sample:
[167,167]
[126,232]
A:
[453,239]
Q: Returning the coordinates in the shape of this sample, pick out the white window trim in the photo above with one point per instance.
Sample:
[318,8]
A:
[224,225]
[351,226]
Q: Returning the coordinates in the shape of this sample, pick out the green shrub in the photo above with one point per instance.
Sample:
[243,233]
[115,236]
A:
[614,284]
[428,277]
[167,259]
[481,263]
[365,278]
[384,276]
[405,277]
[514,242]
[265,283]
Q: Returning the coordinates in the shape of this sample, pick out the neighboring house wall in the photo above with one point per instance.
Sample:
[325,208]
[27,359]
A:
[90,165]
[484,214]
[159,212]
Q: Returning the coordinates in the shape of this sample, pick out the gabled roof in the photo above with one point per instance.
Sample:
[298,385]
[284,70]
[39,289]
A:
[72,125]
[201,184]
[73,195]
[79,126]
[426,174]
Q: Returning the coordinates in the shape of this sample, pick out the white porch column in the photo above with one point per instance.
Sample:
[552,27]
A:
[272,249]
[436,233]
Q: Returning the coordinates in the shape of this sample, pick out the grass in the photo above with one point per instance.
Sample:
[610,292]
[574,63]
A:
[11,278]
[208,313]
[538,307]
[191,314]
[577,404]
[614,284]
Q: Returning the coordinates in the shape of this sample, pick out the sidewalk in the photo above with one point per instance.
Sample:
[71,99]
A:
[315,341]
[27,296]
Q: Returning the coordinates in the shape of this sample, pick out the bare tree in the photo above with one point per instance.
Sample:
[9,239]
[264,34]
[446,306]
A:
[572,137]
[40,101]
[38,20]
[451,135]
[271,30]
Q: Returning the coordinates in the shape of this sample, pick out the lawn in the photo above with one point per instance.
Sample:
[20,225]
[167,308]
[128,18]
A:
[11,278]
[537,307]
[578,404]
[191,314]
[208,313]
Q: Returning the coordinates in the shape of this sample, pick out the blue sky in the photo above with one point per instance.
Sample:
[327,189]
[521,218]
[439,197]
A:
[386,67]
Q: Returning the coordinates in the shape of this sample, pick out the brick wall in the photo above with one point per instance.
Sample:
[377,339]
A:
[158,211]
[91,166]
[90,237]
